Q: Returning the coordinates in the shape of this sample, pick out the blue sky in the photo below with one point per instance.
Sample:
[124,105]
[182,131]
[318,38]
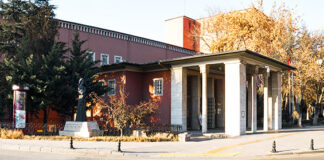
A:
[145,18]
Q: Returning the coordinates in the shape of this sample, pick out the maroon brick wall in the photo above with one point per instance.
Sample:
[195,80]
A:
[139,87]
[130,51]
[165,100]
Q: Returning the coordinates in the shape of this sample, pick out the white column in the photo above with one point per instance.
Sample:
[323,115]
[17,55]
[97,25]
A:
[249,112]
[235,98]
[265,101]
[179,97]
[276,99]
[270,107]
[254,104]
[204,71]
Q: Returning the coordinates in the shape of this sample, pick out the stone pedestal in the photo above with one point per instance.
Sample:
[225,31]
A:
[81,129]
[184,137]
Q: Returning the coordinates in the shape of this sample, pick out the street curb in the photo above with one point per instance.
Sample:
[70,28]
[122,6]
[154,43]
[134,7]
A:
[12,147]
[291,153]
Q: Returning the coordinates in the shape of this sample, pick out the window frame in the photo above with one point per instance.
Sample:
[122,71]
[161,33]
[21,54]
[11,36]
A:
[103,82]
[113,88]
[121,59]
[154,86]
[93,55]
[101,59]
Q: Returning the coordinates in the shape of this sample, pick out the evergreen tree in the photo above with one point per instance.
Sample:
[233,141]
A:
[81,65]
[32,57]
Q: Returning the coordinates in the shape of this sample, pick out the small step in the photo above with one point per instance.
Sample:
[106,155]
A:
[195,134]
[198,136]
[216,135]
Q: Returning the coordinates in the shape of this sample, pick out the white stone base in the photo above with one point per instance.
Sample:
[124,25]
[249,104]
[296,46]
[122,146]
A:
[184,137]
[81,129]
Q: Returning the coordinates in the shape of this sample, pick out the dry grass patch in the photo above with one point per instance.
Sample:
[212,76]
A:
[11,134]
[158,137]
[105,138]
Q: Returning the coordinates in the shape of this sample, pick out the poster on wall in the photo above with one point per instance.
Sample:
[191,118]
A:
[20,109]
[20,119]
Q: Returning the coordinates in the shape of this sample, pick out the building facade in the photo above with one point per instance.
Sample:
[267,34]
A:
[208,91]
[196,91]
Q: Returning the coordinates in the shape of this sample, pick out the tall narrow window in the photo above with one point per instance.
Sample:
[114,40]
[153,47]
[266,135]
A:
[104,58]
[158,86]
[103,83]
[118,59]
[91,55]
[112,87]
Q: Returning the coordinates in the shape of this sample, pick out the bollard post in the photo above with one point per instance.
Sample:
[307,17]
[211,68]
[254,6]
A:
[71,143]
[312,144]
[118,149]
[274,150]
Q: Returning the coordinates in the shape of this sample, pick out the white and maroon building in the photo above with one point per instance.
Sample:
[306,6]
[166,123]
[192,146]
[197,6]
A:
[220,88]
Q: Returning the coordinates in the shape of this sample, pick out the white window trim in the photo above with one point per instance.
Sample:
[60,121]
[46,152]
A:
[109,80]
[121,58]
[101,58]
[93,55]
[156,79]
[103,82]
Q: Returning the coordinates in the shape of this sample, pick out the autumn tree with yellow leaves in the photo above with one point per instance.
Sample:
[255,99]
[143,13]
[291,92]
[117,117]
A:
[309,76]
[277,35]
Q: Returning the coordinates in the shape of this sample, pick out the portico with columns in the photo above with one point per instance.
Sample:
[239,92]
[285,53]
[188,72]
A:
[219,91]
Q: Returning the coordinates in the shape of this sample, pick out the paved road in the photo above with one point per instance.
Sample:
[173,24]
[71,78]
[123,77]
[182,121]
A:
[18,155]
[243,147]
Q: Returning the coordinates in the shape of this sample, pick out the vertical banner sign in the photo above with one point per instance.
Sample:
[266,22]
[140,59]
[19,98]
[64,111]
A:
[19,106]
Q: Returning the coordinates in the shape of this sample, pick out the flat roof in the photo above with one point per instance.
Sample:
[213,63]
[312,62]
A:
[179,17]
[163,64]
[231,54]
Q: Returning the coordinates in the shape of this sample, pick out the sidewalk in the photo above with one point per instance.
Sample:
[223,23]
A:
[289,141]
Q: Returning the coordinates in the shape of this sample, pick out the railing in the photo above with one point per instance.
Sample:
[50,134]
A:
[122,36]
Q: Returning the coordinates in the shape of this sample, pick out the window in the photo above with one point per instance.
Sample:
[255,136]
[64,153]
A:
[118,59]
[93,55]
[158,86]
[103,82]
[112,87]
[104,58]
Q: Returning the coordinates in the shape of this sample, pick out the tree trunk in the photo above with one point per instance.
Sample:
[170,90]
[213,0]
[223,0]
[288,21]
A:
[121,132]
[300,125]
[299,110]
[316,114]
[307,112]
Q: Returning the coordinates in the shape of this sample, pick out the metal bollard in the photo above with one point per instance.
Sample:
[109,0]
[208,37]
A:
[71,143]
[118,149]
[312,144]
[274,150]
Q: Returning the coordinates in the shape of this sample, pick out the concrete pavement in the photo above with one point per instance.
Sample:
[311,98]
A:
[289,141]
